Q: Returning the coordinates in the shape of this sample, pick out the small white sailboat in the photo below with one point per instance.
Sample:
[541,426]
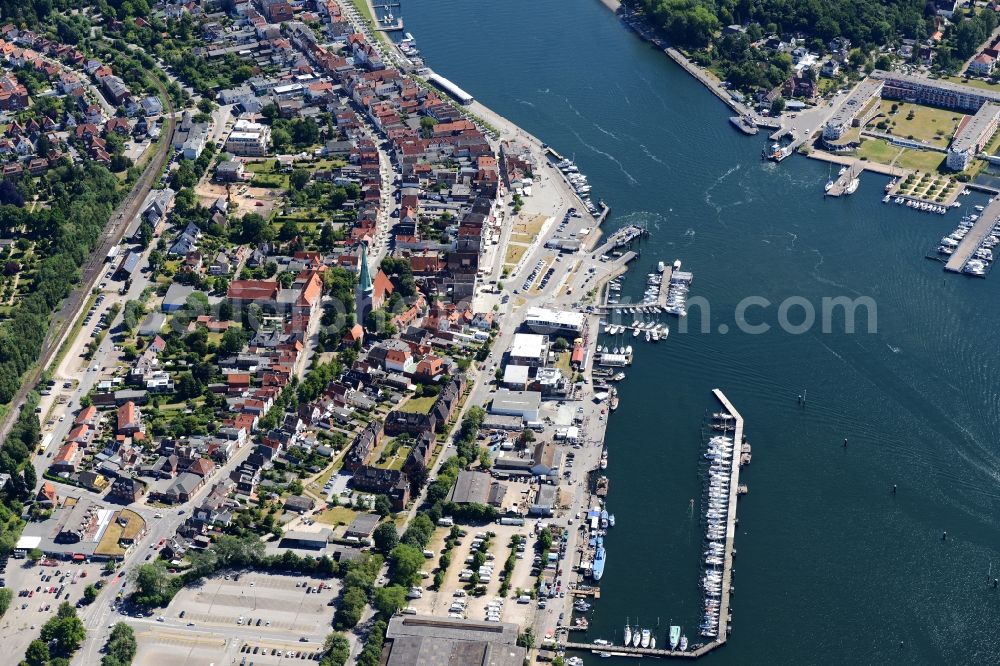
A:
[628,632]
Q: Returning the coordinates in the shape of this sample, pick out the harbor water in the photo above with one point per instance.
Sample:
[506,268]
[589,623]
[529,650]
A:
[832,567]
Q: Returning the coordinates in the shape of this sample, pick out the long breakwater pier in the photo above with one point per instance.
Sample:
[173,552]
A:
[973,240]
[740,456]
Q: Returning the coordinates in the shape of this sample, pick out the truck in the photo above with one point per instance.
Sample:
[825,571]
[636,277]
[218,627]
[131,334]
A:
[512,521]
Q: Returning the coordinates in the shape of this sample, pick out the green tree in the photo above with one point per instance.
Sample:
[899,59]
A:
[383,506]
[289,230]
[778,106]
[5,597]
[336,650]
[385,537]
[299,178]
[37,654]
[233,340]
[89,594]
[545,539]
[64,632]
[390,599]
[404,565]
[352,604]
[254,229]
[152,584]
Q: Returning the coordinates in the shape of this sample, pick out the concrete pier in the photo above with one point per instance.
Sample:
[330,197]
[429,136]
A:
[844,181]
[734,484]
[973,239]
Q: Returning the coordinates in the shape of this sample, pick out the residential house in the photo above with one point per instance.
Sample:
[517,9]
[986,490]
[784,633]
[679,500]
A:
[391,482]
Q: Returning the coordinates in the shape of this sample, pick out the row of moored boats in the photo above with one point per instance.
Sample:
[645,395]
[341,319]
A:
[982,258]
[720,456]
[578,182]
[922,206]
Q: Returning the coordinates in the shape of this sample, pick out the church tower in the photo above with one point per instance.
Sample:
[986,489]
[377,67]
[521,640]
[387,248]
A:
[365,287]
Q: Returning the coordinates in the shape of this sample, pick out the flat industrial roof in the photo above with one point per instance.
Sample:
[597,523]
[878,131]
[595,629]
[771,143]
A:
[515,374]
[28,542]
[527,345]
[517,400]
[561,318]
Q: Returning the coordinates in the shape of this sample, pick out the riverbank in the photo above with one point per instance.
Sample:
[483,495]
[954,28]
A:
[703,76]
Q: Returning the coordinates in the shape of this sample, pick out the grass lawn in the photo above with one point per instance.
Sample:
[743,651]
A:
[514,254]
[73,332]
[326,163]
[338,515]
[421,405]
[273,180]
[529,227]
[264,166]
[563,363]
[935,126]
[877,150]
[922,160]
[396,462]
[973,83]
[366,13]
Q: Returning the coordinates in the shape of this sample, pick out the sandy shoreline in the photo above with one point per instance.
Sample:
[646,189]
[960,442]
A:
[613,5]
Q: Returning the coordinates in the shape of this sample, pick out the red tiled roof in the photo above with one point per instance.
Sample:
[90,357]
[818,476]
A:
[252,290]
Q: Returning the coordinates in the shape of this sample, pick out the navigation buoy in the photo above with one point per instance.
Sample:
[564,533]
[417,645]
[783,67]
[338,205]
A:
[845,442]
[894,489]
[944,536]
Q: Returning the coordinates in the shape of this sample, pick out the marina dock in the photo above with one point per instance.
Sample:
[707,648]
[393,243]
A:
[980,230]
[843,182]
[621,651]
[725,625]
[665,275]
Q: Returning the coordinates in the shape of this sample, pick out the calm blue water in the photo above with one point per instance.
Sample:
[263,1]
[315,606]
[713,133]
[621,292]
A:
[831,567]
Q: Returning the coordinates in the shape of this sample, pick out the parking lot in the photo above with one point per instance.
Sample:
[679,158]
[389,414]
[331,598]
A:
[453,597]
[280,605]
[257,618]
[38,590]
[182,646]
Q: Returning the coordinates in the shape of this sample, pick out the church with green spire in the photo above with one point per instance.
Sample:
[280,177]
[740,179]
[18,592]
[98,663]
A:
[373,289]
[365,287]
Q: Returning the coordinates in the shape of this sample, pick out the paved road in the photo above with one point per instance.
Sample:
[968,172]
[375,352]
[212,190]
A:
[72,306]
[98,615]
